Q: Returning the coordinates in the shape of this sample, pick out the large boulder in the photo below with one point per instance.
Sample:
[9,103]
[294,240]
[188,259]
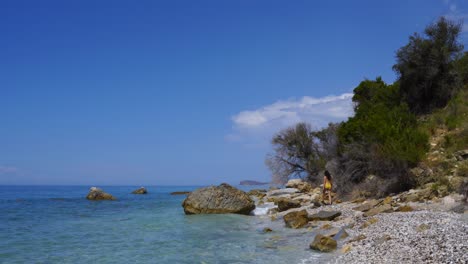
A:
[220,199]
[324,216]
[141,190]
[299,184]
[286,204]
[98,194]
[323,243]
[296,219]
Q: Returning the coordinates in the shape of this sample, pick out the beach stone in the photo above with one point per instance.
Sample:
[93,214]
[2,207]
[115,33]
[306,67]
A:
[405,208]
[96,194]
[423,227]
[336,233]
[220,199]
[141,190]
[323,243]
[382,239]
[377,210]
[369,222]
[366,206]
[180,193]
[346,248]
[267,230]
[358,238]
[296,219]
[324,216]
[286,204]
[299,184]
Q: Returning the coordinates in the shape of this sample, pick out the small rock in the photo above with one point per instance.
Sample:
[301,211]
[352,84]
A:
[369,222]
[423,227]
[382,239]
[141,190]
[267,230]
[323,243]
[358,238]
[180,193]
[346,248]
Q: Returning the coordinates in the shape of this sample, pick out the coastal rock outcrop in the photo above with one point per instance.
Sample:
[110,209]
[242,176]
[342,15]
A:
[98,194]
[141,190]
[323,243]
[299,184]
[220,199]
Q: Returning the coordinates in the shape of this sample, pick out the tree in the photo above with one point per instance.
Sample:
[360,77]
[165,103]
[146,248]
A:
[301,152]
[425,67]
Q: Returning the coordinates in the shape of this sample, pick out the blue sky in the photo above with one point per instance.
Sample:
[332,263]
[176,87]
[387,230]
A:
[183,92]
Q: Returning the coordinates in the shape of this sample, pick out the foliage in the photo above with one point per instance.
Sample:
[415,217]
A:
[301,152]
[461,65]
[426,69]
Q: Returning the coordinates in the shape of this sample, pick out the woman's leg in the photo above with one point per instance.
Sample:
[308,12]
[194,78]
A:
[329,197]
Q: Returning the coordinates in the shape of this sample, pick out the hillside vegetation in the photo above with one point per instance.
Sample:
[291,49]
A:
[402,135]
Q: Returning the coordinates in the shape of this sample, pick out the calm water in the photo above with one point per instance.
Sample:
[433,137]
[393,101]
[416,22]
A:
[56,224]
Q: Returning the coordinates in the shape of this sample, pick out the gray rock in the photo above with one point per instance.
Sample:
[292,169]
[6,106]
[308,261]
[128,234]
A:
[220,199]
[324,216]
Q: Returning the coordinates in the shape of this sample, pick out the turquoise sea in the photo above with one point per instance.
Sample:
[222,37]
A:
[56,224]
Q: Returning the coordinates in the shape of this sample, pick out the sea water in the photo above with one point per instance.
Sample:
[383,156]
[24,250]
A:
[56,224]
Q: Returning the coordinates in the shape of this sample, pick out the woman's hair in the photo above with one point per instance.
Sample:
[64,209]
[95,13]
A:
[327,174]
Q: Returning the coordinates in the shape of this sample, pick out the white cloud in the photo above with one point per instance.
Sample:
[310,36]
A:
[263,122]
[8,170]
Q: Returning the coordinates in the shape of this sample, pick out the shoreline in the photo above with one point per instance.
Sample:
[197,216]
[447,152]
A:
[404,228]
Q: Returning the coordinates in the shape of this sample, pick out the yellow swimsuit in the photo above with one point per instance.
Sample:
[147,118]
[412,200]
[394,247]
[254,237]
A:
[328,185]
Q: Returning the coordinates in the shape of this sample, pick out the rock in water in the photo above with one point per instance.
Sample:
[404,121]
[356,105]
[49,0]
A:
[296,219]
[220,199]
[141,190]
[323,243]
[98,194]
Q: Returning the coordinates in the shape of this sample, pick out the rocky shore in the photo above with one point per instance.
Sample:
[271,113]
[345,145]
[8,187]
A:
[412,227]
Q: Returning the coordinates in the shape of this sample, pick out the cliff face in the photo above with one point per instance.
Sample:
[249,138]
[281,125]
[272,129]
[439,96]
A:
[445,168]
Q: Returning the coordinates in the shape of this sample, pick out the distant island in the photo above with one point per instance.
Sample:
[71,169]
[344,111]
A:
[248,183]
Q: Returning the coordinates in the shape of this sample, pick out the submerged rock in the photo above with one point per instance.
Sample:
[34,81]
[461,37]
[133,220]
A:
[141,190]
[98,194]
[220,199]
[296,219]
[324,216]
[323,243]
[180,193]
